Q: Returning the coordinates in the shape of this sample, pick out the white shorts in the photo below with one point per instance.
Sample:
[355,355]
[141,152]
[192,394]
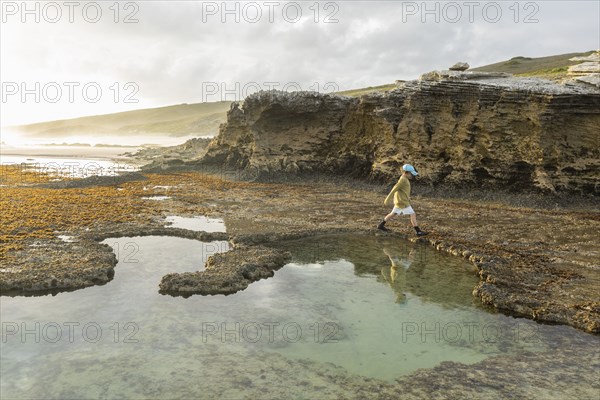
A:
[406,211]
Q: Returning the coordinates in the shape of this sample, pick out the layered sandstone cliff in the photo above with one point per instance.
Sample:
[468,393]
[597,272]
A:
[456,127]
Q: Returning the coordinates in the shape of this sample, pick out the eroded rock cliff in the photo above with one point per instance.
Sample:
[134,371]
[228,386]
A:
[462,128]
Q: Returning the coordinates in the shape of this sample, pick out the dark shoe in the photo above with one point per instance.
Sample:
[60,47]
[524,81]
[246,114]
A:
[382,227]
[421,233]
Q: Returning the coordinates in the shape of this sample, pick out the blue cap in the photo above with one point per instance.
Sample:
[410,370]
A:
[410,168]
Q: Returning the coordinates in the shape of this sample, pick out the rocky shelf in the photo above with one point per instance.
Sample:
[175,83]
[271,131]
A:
[457,127]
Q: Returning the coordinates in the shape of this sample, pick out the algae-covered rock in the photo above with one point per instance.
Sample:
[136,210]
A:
[226,273]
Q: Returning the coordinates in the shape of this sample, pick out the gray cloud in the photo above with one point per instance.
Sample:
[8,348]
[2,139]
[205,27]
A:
[171,52]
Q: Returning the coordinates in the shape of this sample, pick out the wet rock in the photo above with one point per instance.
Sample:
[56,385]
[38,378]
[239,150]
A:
[95,180]
[226,273]
[135,229]
[53,265]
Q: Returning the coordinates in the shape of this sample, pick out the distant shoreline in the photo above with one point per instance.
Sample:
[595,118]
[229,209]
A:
[70,151]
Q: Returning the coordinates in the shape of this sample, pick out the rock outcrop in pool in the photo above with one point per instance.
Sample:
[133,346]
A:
[226,273]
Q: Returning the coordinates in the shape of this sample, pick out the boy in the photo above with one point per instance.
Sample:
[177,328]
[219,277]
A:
[401,195]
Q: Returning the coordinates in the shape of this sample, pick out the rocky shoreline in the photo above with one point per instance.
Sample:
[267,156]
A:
[544,267]
[281,170]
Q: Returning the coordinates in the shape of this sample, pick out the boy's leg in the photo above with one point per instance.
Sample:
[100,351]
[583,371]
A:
[389,216]
[413,221]
[384,220]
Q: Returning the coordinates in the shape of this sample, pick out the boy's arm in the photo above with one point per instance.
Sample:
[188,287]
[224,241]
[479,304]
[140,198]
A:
[390,196]
[387,200]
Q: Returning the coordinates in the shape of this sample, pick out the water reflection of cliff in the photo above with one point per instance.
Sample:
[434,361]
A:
[403,266]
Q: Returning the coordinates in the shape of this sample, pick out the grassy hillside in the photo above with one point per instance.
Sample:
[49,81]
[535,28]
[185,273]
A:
[552,67]
[179,120]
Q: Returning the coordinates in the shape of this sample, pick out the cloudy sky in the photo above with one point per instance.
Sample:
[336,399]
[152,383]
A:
[62,60]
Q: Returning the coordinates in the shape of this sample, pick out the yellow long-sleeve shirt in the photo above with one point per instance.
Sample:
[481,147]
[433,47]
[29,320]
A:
[400,193]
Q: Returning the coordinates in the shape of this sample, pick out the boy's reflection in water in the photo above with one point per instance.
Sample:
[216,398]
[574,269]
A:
[395,274]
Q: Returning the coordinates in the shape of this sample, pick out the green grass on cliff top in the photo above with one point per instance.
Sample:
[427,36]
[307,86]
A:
[552,67]
[530,66]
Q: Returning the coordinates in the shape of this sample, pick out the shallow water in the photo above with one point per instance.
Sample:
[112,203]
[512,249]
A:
[377,308]
[68,167]
[199,223]
[157,198]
